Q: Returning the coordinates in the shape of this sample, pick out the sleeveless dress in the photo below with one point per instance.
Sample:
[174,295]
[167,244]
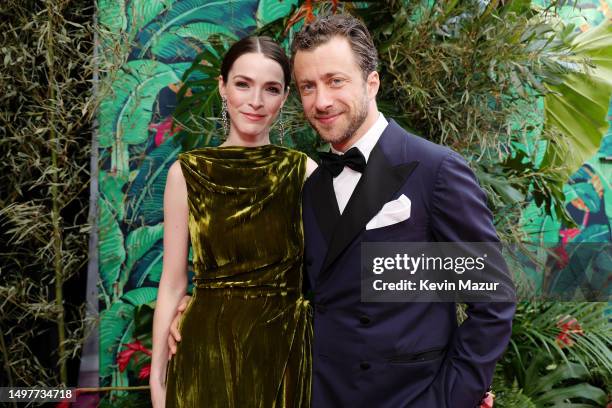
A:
[246,333]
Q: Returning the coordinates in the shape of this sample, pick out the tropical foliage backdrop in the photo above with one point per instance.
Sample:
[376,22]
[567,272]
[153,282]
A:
[522,89]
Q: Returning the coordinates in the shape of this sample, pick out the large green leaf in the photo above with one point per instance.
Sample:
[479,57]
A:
[126,113]
[138,243]
[146,193]
[188,11]
[111,252]
[111,15]
[111,187]
[142,12]
[149,267]
[116,326]
[186,41]
[581,103]
[140,296]
[270,10]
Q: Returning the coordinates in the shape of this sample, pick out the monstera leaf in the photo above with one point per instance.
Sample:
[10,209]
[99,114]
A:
[579,107]
[183,13]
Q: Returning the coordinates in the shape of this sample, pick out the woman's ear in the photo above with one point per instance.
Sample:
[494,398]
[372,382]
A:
[285,96]
[221,86]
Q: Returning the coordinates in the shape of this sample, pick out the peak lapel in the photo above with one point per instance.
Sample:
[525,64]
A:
[376,187]
[325,205]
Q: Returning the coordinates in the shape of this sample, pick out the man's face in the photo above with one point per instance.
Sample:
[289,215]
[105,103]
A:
[335,97]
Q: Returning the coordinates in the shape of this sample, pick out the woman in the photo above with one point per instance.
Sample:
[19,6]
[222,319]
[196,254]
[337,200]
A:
[246,332]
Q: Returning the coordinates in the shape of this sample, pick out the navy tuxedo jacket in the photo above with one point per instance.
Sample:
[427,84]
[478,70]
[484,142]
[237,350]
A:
[398,354]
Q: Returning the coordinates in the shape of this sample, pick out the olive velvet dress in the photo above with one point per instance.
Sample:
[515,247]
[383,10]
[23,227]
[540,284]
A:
[246,333]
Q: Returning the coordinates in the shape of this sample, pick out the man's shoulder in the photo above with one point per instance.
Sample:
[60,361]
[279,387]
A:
[410,146]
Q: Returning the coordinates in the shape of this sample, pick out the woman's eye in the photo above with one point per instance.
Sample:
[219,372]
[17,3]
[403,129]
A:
[241,84]
[274,90]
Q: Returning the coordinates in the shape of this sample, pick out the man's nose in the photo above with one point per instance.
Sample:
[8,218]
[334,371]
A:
[323,100]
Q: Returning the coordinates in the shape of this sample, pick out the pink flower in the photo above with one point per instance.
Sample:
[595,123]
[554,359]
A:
[488,400]
[163,130]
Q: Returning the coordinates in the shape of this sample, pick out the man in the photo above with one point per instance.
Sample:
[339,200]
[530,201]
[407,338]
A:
[375,354]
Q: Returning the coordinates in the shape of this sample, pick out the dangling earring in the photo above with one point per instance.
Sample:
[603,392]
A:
[224,120]
[282,126]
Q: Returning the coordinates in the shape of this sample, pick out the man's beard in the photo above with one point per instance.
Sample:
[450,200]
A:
[355,121]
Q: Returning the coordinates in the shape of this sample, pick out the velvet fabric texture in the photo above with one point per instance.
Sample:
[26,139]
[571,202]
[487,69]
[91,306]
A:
[247,332]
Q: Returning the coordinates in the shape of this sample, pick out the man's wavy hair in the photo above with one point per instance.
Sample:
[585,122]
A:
[325,28]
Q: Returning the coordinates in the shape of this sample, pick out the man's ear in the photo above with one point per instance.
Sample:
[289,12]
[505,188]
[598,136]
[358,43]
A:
[221,86]
[373,84]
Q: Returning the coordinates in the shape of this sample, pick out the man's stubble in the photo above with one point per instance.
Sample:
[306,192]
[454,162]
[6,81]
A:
[355,121]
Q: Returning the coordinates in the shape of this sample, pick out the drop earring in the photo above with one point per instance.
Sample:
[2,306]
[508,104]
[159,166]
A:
[282,126]
[224,120]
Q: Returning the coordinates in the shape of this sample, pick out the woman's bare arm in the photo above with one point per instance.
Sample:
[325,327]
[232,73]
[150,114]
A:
[173,282]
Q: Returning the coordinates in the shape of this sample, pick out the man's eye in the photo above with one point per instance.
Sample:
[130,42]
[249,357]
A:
[306,88]
[337,81]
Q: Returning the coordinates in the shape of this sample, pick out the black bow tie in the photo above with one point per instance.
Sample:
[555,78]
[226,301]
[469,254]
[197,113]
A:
[334,163]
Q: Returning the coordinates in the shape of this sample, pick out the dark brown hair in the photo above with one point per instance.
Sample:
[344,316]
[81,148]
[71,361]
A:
[261,45]
[325,28]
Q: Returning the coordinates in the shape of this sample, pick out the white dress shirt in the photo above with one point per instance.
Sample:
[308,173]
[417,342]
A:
[345,182]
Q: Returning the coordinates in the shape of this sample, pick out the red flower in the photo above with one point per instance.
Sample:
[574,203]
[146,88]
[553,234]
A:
[123,358]
[145,372]
[568,326]
[163,130]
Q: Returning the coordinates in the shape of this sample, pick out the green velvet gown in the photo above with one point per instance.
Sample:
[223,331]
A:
[246,333]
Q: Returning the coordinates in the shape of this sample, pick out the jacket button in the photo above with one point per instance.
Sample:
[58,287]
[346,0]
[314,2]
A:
[364,366]
[365,320]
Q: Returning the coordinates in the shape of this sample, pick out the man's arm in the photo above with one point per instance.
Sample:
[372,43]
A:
[460,214]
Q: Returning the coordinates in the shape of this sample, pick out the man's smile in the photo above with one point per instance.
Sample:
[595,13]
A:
[327,119]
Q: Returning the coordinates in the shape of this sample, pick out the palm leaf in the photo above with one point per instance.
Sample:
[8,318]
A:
[138,243]
[580,103]
[221,12]
[271,10]
[140,296]
[142,12]
[115,330]
[111,250]
[145,194]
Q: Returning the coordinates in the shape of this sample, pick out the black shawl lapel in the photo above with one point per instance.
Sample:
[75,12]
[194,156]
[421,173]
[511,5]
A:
[325,205]
[376,187]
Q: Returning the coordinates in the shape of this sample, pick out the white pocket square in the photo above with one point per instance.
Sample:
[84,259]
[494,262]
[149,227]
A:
[392,212]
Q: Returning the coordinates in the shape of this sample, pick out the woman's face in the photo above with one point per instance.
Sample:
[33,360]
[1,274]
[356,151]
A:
[255,92]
